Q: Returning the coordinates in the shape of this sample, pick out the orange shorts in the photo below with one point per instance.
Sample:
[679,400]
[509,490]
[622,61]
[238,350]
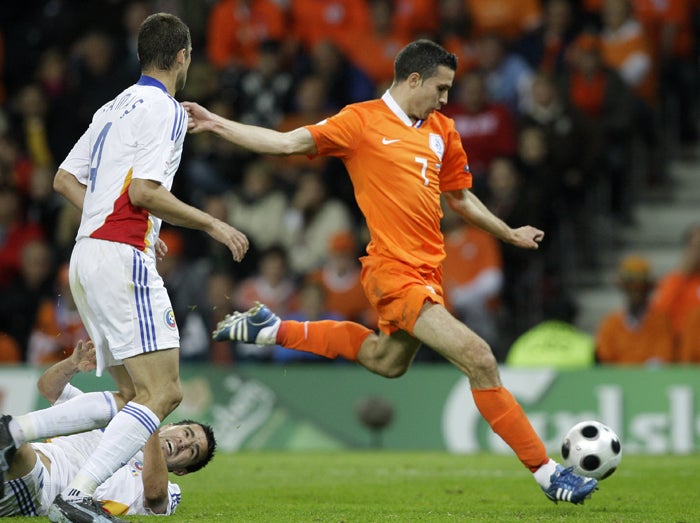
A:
[398,291]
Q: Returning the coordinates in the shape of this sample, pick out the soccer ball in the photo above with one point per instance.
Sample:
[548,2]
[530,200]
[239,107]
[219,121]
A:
[592,448]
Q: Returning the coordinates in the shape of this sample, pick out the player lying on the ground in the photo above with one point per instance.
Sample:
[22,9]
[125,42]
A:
[40,471]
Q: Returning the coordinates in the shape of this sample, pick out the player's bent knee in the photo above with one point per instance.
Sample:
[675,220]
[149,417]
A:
[174,397]
[478,358]
[394,371]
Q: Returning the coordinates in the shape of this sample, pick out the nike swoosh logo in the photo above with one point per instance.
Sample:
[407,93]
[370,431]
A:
[387,142]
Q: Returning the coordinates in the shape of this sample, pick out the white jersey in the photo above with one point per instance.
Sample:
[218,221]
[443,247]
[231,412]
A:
[122,493]
[139,134]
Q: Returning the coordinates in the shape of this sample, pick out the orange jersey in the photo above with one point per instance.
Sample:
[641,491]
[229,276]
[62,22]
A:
[470,251]
[398,170]
[508,18]
[235,30]
[335,20]
[690,338]
[621,343]
[677,295]
[655,15]
[628,45]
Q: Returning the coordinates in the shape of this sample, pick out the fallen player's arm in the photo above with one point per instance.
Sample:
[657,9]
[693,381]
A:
[155,476]
[55,379]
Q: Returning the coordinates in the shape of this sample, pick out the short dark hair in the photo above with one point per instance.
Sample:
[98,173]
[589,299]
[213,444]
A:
[423,57]
[161,37]
[211,445]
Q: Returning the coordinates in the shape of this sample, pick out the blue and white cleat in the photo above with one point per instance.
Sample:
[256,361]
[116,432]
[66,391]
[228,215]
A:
[258,325]
[7,450]
[567,486]
[86,510]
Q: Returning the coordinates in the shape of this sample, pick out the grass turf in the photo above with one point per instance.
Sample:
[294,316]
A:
[402,487]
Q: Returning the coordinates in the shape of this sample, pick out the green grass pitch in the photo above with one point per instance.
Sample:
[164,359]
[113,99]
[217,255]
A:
[402,487]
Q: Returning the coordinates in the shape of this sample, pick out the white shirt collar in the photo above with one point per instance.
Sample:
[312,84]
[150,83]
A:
[391,103]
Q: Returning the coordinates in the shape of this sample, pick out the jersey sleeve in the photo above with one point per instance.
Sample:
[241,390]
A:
[78,160]
[454,174]
[156,139]
[339,134]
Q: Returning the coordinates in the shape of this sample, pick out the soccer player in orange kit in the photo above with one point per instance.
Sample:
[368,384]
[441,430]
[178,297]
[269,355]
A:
[401,155]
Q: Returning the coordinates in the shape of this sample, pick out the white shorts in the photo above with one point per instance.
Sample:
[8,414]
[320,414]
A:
[122,301]
[29,495]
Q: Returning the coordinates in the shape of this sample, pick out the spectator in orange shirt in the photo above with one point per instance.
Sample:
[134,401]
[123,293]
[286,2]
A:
[473,275]
[414,18]
[337,20]
[58,326]
[690,339]
[340,278]
[637,333]
[669,25]
[236,28]
[373,51]
[626,48]
[455,33]
[510,19]
[678,292]
[604,100]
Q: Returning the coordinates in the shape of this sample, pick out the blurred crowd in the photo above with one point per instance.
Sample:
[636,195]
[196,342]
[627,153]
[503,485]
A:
[567,109]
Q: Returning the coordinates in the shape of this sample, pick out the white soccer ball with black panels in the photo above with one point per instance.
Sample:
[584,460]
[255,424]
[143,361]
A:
[592,448]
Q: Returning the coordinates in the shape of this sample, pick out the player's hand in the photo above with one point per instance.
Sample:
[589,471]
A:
[199,119]
[235,240]
[527,237]
[83,357]
[161,249]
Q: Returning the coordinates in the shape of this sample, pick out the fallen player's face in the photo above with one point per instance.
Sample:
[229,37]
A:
[183,445]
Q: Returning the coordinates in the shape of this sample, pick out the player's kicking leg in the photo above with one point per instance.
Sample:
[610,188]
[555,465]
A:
[258,325]
[567,486]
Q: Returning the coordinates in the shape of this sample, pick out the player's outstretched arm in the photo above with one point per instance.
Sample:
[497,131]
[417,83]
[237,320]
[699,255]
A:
[253,138]
[54,380]
[160,202]
[468,206]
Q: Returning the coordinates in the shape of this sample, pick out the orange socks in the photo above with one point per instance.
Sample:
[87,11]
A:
[507,419]
[326,337]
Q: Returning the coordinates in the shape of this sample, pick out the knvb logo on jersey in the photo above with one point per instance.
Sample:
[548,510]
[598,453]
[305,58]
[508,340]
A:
[437,145]
[170,319]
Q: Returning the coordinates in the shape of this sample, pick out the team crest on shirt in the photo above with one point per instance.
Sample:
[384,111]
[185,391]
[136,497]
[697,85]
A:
[437,145]
[136,468]
[170,319]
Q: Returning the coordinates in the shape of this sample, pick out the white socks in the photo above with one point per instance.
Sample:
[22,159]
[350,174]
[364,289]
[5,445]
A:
[543,474]
[92,410]
[123,437]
